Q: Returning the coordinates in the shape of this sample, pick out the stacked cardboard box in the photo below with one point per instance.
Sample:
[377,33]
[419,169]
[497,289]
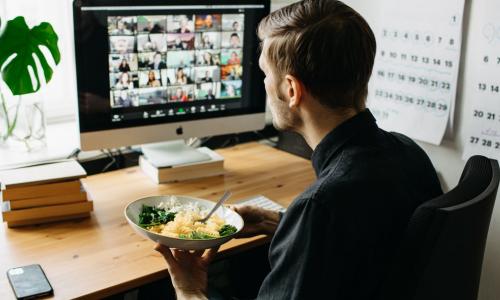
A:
[44,193]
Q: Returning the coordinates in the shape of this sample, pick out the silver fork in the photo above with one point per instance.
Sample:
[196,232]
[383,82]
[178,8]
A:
[221,201]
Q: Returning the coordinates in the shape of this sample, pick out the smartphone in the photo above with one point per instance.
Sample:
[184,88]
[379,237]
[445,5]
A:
[29,282]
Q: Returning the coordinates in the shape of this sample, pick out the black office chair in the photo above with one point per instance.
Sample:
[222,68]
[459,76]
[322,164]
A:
[442,253]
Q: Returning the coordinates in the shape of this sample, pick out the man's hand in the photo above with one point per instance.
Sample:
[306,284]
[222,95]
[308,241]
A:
[257,220]
[188,270]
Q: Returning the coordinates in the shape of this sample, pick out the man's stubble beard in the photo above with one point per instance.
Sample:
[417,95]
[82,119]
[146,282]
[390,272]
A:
[283,118]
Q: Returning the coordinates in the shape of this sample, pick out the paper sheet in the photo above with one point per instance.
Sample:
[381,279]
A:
[414,80]
[483,115]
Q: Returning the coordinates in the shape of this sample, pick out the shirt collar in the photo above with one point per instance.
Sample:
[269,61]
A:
[335,139]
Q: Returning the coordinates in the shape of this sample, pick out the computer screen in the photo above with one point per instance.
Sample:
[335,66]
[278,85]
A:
[144,63]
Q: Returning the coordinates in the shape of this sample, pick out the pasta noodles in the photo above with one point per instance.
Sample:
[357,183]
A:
[185,224]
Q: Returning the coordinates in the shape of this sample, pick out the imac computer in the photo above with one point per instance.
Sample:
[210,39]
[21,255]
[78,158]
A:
[150,71]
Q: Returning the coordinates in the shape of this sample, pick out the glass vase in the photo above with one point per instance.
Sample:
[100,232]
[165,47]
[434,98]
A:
[22,123]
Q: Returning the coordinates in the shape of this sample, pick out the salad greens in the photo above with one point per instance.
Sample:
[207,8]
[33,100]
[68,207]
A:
[152,216]
[196,236]
[227,230]
[224,231]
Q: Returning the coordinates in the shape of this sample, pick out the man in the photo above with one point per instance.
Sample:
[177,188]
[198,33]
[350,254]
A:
[337,239]
[157,63]
[123,99]
[210,95]
[234,41]
[207,78]
[236,26]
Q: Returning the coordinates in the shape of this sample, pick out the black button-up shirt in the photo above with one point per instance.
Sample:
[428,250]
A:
[337,238]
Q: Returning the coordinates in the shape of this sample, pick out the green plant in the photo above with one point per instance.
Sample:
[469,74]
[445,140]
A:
[18,46]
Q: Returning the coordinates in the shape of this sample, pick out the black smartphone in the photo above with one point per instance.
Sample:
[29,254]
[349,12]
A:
[29,282]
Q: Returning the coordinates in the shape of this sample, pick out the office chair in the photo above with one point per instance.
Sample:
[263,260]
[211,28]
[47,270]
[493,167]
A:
[442,253]
[294,143]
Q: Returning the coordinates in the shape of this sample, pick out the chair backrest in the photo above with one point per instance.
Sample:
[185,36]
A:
[294,143]
[442,253]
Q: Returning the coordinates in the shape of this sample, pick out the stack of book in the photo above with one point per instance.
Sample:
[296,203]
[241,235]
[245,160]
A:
[162,174]
[44,193]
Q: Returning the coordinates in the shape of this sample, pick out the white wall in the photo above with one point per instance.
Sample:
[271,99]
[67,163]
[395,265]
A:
[447,158]
[59,95]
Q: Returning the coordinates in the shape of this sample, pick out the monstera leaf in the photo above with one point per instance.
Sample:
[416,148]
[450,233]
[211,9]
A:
[18,39]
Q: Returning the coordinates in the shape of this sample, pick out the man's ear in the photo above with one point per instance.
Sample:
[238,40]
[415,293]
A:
[295,90]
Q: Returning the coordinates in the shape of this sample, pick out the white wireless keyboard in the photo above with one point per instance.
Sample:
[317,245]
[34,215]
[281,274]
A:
[263,202]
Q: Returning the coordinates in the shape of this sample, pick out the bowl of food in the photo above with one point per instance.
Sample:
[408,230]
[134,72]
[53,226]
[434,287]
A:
[173,221]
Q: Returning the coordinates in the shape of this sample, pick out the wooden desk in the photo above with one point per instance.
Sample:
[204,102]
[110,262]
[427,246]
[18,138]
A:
[101,256]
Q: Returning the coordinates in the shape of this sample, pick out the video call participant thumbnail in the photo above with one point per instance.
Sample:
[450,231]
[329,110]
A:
[231,89]
[180,23]
[207,74]
[208,91]
[181,93]
[180,41]
[208,40]
[233,22]
[122,44]
[151,96]
[231,72]
[122,25]
[156,42]
[176,59]
[208,22]
[151,24]
[149,78]
[122,98]
[231,56]
[146,60]
[232,40]
[123,81]
[208,58]
[123,63]
[180,76]
[157,62]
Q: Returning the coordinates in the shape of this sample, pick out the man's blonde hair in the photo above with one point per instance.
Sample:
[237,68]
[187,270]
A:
[325,44]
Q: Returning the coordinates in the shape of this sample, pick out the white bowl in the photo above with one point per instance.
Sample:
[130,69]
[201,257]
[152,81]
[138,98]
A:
[134,208]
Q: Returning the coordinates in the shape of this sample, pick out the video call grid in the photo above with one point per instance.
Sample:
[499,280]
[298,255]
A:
[174,58]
